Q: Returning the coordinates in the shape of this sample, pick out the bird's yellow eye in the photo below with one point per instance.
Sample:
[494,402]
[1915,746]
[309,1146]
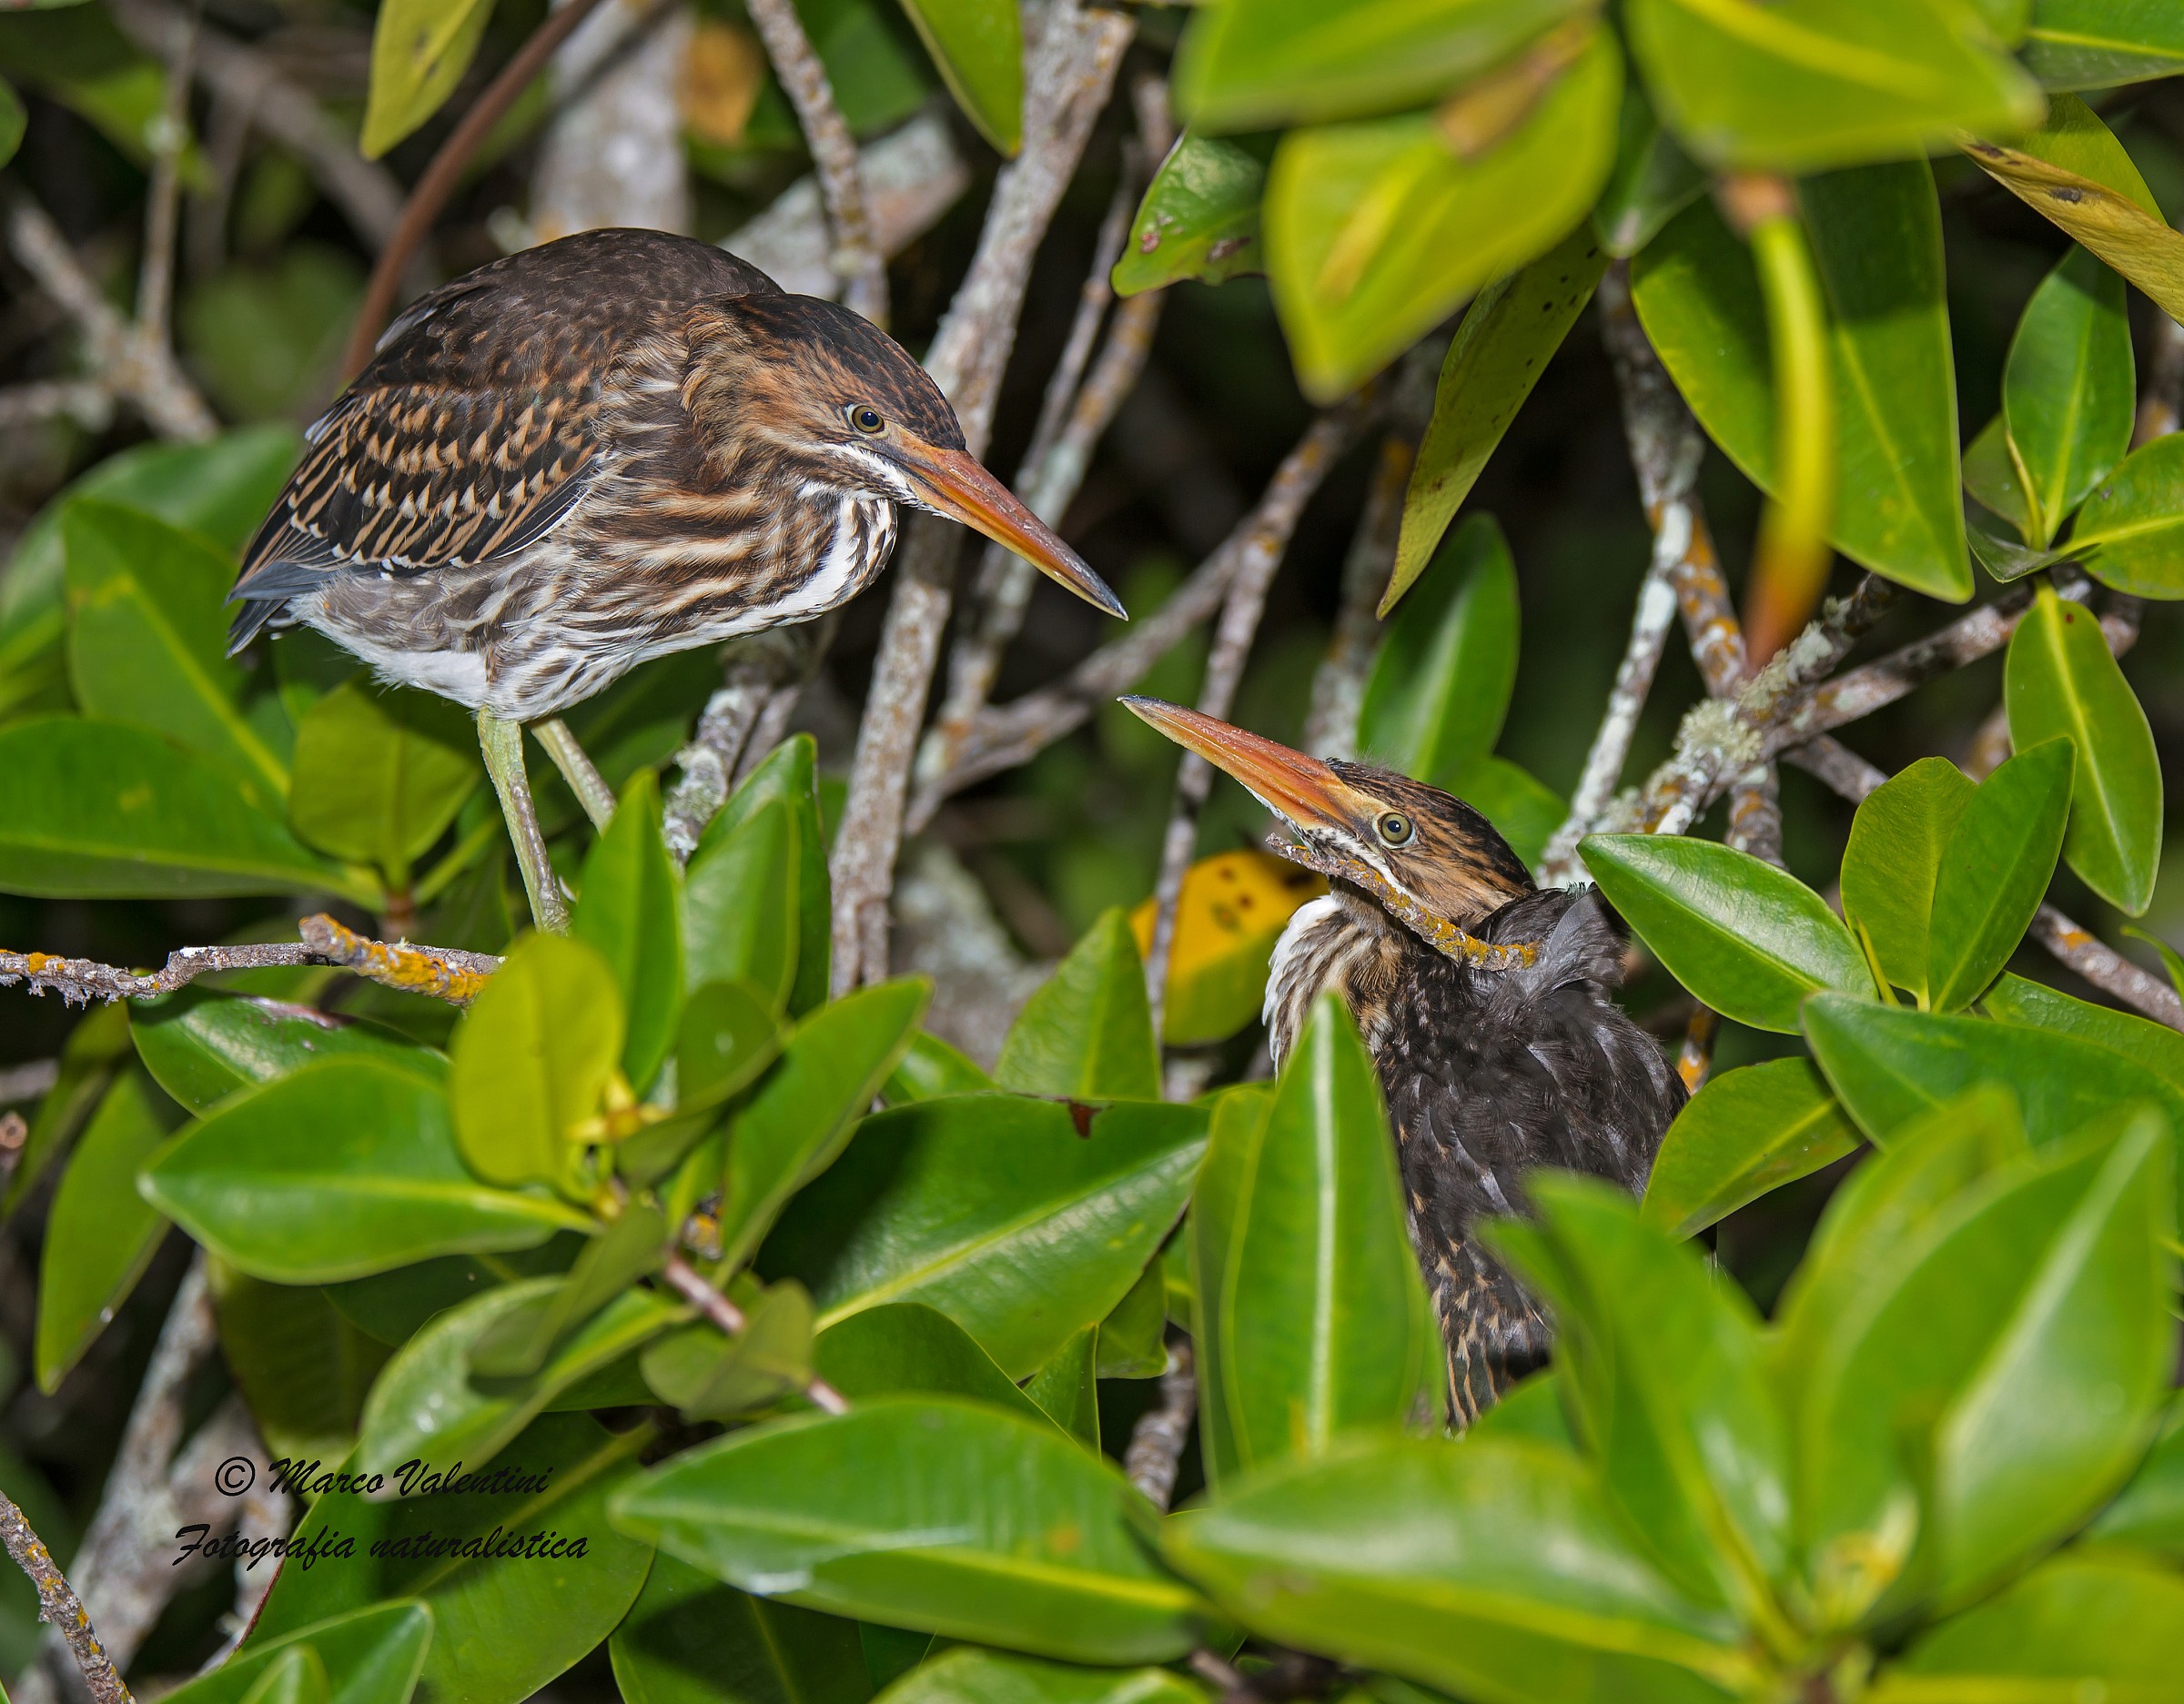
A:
[867,418]
[1394,828]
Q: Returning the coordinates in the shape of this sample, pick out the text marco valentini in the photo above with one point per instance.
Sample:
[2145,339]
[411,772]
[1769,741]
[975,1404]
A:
[416,1478]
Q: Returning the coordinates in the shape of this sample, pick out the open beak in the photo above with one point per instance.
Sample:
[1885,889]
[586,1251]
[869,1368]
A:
[1302,790]
[954,483]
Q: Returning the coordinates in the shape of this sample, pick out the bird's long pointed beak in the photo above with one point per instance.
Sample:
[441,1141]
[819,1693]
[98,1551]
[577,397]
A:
[953,481]
[1302,790]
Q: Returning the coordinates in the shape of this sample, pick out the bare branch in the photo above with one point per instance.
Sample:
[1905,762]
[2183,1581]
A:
[60,1607]
[86,402]
[1005,736]
[856,256]
[131,364]
[911,176]
[136,1516]
[1331,724]
[163,208]
[1071,422]
[613,152]
[688,1283]
[1157,1440]
[1071,68]
[26,1082]
[444,972]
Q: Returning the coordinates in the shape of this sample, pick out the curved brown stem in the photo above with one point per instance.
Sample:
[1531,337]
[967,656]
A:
[429,196]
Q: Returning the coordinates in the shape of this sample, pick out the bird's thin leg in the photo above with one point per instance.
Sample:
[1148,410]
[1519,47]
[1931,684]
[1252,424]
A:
[577,768]
[502,744]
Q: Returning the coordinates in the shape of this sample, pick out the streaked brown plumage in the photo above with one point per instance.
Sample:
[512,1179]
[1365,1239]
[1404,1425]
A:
[605,448]
[1487,1073]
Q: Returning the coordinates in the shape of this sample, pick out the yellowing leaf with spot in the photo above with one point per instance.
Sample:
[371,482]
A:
[1233,908]
[420,50]
[2111,224]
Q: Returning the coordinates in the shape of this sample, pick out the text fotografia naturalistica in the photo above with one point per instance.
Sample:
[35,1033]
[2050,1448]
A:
[328,1546]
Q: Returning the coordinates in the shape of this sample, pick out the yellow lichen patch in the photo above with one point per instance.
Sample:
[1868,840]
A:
[1233,908]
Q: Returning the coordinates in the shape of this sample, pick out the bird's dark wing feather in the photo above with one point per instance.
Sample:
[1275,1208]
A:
[471,432]
[1488,1075]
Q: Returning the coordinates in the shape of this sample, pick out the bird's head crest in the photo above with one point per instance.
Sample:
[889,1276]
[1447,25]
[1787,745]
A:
[1370,825]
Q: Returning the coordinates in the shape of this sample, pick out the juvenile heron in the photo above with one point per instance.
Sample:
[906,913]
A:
[1487,1073]
[598,452]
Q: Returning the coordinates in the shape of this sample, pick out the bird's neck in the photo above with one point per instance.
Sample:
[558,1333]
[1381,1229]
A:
[1342,942]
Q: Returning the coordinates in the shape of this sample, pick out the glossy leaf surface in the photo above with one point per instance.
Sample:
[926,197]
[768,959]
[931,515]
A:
[380,775]
[2100,1621]
[304,1367]
[969,1675]
[805,1110]
[1254,63]
[1661,1367]
[631,913]
[1502,347]
[201,1046]
[1995,867]
[1893,860]
[429,1403]
[1875,238]
[505,1624]
[926,1512]
[1807,85]
[1888,1065]
[371,1655]
[97,809]
[1200,218]
[690,1639]
[790,772]
[2096,44]
[2068,390]
[1088,1033]
[996,1211]
[2130,533]
[977,46]
[2062,682]
[1475,1568]
[101,1234]
[1442,678]
[742,905]
[341,1169]
[2155,1045]
[1324,1323]
[1749,939]
[420,50]
[147,640]
[1748,1131]
[905,1349]
[1239,1115]
[1375,230]
[532,1058]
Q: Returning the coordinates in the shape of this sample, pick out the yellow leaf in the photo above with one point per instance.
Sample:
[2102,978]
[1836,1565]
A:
[1233,908]
[722,76]
[420,50]
[2114,227]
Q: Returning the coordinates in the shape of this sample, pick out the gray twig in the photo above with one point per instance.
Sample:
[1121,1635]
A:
[1157,1440]
[163,204]
[834,155]
[688,1282]
[1241,610]
[1071,67]
[133,362]
[444,972]
[19,1084]
[137,1510]
[1006,735]
[60,1607]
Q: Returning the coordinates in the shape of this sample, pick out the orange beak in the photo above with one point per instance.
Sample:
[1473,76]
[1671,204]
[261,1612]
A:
[1302,790]
[953,481]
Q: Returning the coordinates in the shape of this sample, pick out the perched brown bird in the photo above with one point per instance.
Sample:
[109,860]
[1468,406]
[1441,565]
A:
[1487,1073]
[602,449]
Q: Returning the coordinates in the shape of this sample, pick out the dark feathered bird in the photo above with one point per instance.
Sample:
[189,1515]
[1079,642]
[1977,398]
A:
[1487,1073]
[602,449]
